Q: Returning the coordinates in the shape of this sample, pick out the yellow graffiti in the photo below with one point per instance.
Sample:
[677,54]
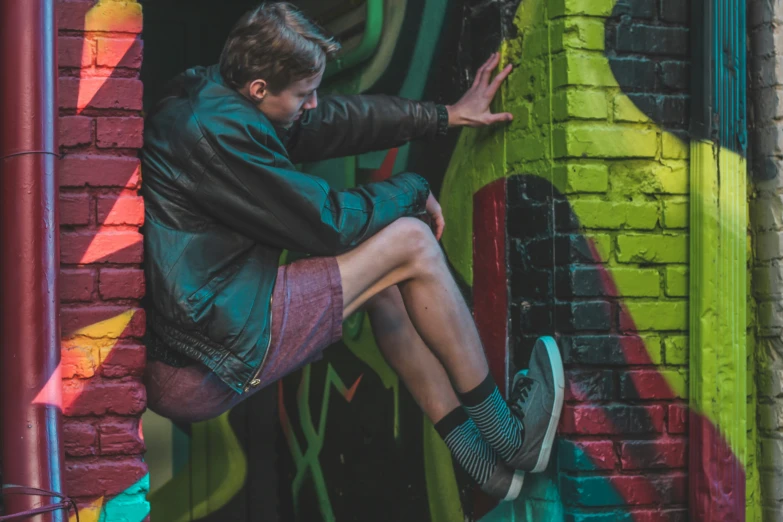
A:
[90,512]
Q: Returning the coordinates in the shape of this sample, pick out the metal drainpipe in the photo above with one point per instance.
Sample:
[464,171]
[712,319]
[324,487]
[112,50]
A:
[32,453]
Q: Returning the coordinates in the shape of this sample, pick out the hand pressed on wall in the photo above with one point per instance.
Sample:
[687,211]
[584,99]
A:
[472,110]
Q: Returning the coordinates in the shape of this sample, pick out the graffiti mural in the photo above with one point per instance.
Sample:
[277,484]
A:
[571,221]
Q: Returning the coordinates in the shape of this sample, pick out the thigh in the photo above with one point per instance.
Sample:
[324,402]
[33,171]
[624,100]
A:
[387,258]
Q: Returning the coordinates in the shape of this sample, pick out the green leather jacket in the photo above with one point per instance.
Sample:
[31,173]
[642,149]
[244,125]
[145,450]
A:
[223,199]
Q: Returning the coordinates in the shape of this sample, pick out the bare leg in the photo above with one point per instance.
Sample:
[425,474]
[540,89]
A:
[406,353]
[406,254]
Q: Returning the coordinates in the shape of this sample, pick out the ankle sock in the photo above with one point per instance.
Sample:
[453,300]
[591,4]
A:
[467,445]
[500,427]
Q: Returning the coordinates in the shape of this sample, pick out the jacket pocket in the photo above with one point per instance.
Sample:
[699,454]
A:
[199,300]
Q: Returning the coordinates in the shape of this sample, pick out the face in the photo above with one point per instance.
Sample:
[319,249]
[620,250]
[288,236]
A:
[285,107]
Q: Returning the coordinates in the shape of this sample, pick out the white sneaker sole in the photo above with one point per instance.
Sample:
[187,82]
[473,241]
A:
[559,381]
[516,486]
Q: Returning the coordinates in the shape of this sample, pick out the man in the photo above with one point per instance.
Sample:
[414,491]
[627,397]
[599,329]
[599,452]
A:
[223,199]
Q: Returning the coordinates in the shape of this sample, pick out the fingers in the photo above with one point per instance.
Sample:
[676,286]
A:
[499,117]
[440,224]
[483,72]
[495,85]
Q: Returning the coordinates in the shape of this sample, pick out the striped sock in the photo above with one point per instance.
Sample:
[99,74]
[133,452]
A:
[467,445]
[500,427]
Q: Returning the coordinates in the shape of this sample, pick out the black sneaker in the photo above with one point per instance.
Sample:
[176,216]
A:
[537,399]
[504,483]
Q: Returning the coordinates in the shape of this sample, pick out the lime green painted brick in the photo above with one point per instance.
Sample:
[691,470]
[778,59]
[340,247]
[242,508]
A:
[659,315]
[521,112]
[559,8]
[652,248]
[528,81]
[650,177]
[637,282]
[596,213]
[676,281]
[675,213]
[529,148]
[580,104]
[578,33]
[603,244]
[673,147]
[654,348]
[581,68]
[678,382]
[582,178]
[604,141]
[626,111]
[676,349]
[542,112]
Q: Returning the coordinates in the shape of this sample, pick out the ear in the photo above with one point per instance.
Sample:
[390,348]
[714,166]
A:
[257,90]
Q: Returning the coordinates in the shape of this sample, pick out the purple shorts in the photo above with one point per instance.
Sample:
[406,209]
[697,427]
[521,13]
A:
[307,316]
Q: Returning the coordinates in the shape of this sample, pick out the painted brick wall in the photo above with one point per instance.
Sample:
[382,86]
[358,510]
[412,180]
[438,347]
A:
[597,225]
[101,253]
[766,122]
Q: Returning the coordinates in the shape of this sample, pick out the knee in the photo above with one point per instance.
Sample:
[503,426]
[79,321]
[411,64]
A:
[420,247]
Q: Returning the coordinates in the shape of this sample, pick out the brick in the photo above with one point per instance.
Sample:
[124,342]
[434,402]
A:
[580,104]
[600,141]
[651,40]
[676,350]
[80,439]
[99,397]
[625,110]
[119,436]
[675,75]
[652,248]
[655,315]
[119,52]
[102,246]
[601,8]
[121,283]
[573,248]
[120,210]
[635,74]
[769,245]
[677,418]
[75,52]
[75,131]
[575,178]
[584,315]
[635,10]
[114,17]
[611,420]
[576,33]
[123,359]
[587,281]
[675,11]
[120,133]
[74,318]
[103,477]
[99,171]
[653,384]
[74,209]
[76,284]
[530,220]
[596,213]
[660,108]
[581,68]
[630,490]
[529,148]
[585,455]
[589,385]
[100,93]
[675,213]
[605,350]
[78,359]
[647,177]
[71,15]
[677,281]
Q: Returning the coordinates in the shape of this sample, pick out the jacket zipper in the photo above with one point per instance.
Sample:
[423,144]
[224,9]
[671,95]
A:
[255,381]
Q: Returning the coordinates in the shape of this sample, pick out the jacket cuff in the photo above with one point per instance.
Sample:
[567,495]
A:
[422,193]
[443,120]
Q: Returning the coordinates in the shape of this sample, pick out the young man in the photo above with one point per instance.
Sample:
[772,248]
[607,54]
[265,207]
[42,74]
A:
[223,199]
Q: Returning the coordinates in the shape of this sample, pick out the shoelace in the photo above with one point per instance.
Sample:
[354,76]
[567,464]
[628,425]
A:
[520,395]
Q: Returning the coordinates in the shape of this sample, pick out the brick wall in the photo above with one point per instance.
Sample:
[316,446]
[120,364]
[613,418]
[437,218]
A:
[597,226]
[766,122]
[101,254]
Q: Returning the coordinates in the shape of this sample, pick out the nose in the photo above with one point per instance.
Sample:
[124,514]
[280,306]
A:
[312,101]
